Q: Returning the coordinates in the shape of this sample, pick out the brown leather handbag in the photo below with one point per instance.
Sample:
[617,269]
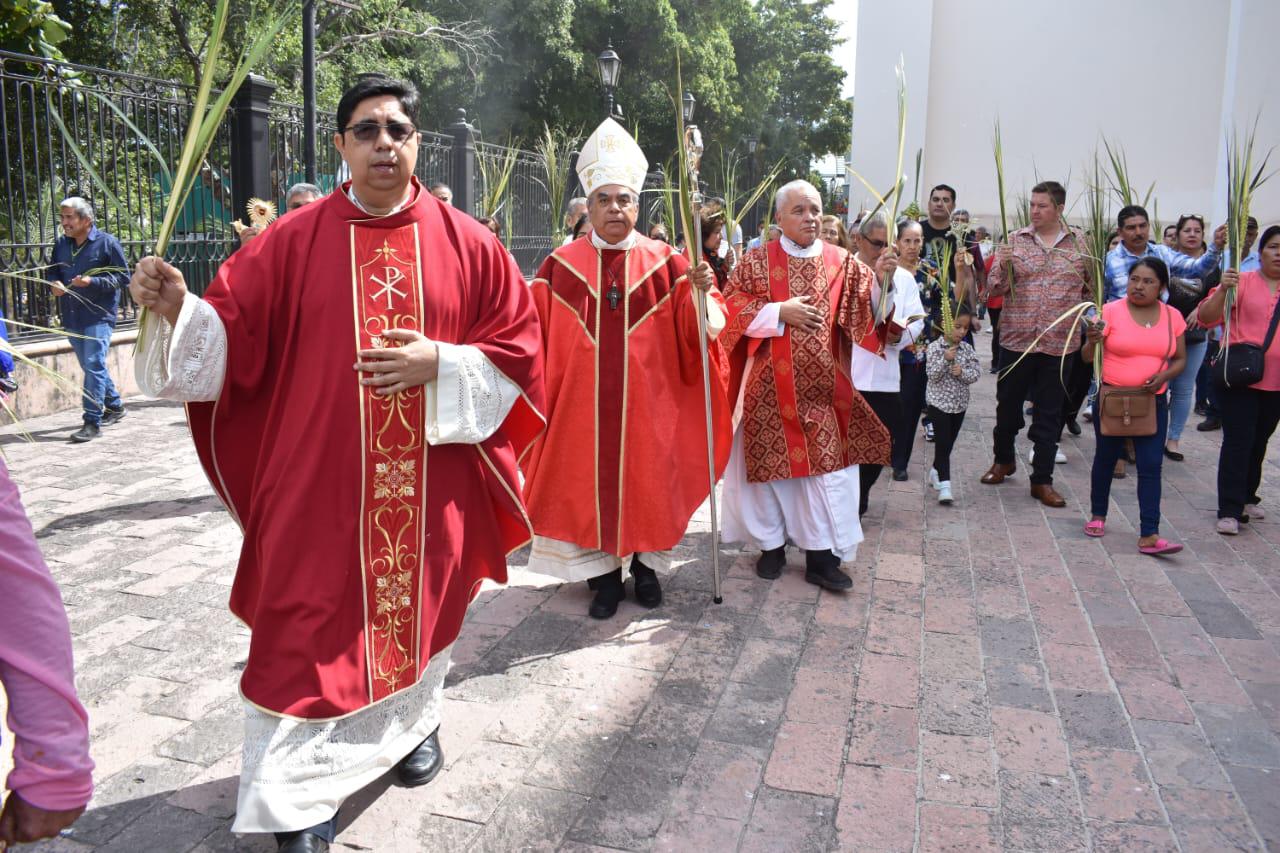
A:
[1131,412]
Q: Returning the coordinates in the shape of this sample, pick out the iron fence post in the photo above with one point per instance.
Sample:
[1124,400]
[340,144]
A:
[464,164]
[250,149]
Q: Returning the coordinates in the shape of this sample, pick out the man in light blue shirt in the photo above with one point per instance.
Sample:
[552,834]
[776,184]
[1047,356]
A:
[1135,244]
[1251,262]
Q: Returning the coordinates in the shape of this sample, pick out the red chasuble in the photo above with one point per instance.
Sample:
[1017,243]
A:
[623,463]
[362,545]
[800,414]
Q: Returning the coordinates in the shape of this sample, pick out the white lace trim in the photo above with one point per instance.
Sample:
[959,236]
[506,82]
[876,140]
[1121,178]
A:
[188,360]
[795,250]
[295,773]
[469,399]
[570,562]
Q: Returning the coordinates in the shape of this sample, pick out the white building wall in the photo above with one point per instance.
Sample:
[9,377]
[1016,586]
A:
[1150,74]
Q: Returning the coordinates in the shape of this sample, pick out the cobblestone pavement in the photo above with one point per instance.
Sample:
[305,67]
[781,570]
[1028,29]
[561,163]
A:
[995,679]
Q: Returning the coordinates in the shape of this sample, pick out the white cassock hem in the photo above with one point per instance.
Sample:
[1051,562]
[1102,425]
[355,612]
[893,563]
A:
[813,513]
[570,562]
[295,774]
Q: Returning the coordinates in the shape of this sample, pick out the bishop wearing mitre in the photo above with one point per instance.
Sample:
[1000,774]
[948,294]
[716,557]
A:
[612,483]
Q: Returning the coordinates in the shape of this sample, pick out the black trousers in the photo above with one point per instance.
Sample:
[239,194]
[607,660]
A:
[995,337]
[1077,388]
[912,396]
[1043,379]
[888,408]
[1249,418]
[946,427]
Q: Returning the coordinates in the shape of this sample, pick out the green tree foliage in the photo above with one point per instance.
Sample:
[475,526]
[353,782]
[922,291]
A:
[757,67]
[32,27]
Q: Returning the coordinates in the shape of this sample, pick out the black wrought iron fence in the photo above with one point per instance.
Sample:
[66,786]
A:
[113,138]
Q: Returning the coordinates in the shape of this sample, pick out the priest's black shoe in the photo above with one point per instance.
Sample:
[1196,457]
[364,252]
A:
[770,564]
[423,764]
[648,590]
[609,593]
[301,842]
[314,840]
[823,568]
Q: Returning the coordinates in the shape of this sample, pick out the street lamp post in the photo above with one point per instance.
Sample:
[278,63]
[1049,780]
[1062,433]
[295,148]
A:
[751,221]
[609,64]
[309,90]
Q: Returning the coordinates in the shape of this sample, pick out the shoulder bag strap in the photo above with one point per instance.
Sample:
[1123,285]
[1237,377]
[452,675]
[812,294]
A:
[1271,329]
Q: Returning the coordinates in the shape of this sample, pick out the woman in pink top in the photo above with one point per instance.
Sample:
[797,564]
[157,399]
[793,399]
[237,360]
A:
[1142,347]
[1250,414]
[52,779]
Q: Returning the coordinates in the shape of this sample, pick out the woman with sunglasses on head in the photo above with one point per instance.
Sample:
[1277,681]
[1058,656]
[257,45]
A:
[1142,350]
[1184,295]
[1250,412]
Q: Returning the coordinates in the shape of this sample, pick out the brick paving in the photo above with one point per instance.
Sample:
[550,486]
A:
[994,680]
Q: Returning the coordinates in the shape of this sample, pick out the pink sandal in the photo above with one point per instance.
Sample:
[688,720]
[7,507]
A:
[1096,528]
[1161,546]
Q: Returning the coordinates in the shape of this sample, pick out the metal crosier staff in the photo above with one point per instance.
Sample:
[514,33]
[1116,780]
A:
[693,156]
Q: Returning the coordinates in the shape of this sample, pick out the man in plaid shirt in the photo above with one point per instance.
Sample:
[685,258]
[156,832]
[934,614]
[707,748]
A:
[1135,244]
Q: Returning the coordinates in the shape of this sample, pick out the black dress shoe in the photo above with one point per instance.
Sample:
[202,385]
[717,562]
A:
[609,593]
[315,839]
[648,590]
[88,432]
[900,474]
[823,569]
[423,764]
[1208,425]
[1073,426]
[301,842]
[770,564]
[111,416]
[7,385]
[1174,455]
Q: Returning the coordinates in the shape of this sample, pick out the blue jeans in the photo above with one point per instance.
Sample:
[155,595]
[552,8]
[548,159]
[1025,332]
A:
[1206,393]
[91,351]
[1150,452]
[1182,389]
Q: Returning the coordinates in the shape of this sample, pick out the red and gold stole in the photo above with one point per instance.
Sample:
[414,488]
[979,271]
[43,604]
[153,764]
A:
[386,276]
[784,356]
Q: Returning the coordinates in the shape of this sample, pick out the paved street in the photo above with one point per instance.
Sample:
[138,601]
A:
[995,679]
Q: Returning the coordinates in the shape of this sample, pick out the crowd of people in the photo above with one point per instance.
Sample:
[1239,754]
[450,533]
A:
[545,407]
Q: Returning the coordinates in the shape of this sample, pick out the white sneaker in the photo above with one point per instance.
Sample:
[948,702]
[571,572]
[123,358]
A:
[944,492]
[1059,458]
[1255,512]
[933,478]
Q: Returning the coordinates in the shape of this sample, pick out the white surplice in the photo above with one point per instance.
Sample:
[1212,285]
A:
[813,513]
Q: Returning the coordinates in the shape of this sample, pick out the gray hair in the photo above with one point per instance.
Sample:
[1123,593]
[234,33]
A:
[79,205]
[575,202]
[798,185]
[300,188]
[905,225]
[871,223]
[960,212]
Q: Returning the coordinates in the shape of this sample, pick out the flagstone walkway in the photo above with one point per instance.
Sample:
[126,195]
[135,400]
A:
[994,680]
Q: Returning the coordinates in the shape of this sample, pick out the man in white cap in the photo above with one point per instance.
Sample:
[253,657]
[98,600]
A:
[614,480]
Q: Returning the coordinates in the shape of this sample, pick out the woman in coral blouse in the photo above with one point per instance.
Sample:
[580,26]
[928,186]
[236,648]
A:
[1142,347]
[1249,414]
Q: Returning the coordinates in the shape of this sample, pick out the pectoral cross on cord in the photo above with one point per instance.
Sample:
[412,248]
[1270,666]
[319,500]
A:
[614,296]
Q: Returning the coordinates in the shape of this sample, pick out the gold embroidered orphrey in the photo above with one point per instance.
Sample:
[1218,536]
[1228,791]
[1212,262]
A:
[387,291]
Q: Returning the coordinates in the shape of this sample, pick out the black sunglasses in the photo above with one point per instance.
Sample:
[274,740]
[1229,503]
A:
[367,131]
[879,244]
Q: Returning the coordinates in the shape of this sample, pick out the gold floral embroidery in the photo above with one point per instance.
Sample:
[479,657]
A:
[395,479]
[394,591]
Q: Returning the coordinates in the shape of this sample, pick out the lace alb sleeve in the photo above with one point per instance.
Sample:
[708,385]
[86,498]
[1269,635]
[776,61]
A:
[186,361]
[469,399]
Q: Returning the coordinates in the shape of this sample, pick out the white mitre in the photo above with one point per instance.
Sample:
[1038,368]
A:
[611,156]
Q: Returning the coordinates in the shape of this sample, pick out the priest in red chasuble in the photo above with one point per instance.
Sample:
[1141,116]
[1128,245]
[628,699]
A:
[613,482]
[361,381]
[795,308]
